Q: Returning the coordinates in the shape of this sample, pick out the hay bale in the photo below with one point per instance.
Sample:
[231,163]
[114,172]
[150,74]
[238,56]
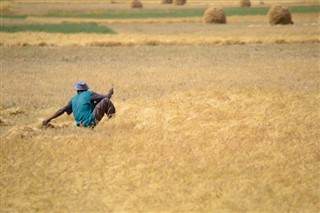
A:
[136,4]
[179,2]
[245,3]
[214,15]
[279,14]
[166,1]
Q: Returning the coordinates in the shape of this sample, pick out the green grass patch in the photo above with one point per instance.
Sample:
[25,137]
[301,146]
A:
[58,28]
[181,13]
[305,9]
[131,14]
[264,10]
[10,16]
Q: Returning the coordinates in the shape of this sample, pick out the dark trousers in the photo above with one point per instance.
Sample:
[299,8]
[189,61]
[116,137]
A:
[105,106]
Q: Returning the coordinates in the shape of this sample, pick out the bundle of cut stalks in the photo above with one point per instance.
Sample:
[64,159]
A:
[166,1]
[136,4]
[179,2]
[245,3]
[279,14]
[214,16]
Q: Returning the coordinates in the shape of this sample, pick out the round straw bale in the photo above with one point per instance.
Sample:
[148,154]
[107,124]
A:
[179,2]
[214,15]
[166,1]
[136,4]
[279,14]
[245,3]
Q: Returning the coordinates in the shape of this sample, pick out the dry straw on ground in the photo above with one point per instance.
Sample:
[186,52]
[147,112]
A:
[80,40]
[195,133]
[279,14]
[214,15]
[136,4]
[245,3]
[179,2]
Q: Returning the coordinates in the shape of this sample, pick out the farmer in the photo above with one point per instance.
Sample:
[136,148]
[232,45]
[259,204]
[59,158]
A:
[87,107]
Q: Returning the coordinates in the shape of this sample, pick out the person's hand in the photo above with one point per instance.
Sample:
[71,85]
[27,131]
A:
[45,122]
[111,91]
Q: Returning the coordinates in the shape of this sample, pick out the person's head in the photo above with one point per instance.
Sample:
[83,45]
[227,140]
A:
[81,86]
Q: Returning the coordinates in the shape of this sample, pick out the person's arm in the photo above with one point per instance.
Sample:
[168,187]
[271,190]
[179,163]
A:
[96,98]
[55,115]
[67,108]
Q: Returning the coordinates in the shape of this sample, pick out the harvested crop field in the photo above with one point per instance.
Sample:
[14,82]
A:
[210,118]
[183,33]
[163,31]
[198,129]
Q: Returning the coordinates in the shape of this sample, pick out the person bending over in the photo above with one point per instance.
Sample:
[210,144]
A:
[88,107]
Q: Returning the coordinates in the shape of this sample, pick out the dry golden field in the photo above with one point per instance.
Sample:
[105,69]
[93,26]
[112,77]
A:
[199,129]
[172,31]
[209,118]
